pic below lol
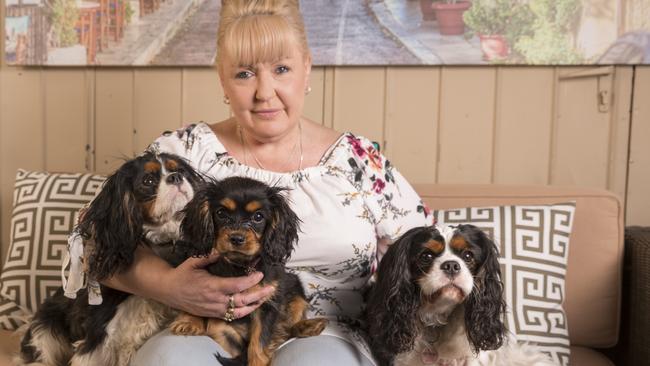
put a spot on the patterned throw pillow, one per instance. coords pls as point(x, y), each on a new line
point(533, 244)
point(45, 210)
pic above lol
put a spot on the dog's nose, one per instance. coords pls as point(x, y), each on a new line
point(237, 239)
point(451, 268)
point(175, 179)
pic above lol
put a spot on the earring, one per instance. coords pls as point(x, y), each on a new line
point(308, 90)
point(226, 100)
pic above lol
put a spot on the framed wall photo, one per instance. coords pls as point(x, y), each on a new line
point(340, 32)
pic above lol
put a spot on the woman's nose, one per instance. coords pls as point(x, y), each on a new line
point(265, 87)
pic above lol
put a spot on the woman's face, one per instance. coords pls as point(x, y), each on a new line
point(267, 98)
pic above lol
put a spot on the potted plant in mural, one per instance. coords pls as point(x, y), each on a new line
point(426, 7)
point(553, 33)
point(498, 24)
point(450, 16)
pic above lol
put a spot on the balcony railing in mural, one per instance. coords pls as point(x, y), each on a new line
point(340, 32)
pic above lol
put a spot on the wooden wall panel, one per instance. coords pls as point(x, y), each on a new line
point(202, 96)
point(67, 119)
point(359, 101)
point(22, 135)
point(619, 139)
point(581, 153)
point(523, 125)
point(157, 102)
point(114, 113)
point(467, 107)
point(638, 195)
point(412, 98)
point(313, 108)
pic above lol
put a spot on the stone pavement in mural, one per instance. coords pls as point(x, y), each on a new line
point(403, 19)
point(348, 32)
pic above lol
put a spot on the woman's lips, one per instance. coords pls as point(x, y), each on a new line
point(267, 113)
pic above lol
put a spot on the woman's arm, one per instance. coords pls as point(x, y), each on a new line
point(189, 287)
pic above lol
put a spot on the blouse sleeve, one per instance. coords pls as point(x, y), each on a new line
point(393, 203)
point(187, 143)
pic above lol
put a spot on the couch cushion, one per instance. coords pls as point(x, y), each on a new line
point(581, 356)
point(593, 279)
point(533, 244)
point(45, 210)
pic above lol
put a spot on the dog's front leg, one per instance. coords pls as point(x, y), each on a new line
point(257, 353)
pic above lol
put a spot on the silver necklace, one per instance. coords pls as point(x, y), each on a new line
point(257, 161)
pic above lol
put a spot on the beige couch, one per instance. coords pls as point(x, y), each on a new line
point(594, 273)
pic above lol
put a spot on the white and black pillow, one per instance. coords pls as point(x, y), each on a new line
point(45, 209)
point(533, 244)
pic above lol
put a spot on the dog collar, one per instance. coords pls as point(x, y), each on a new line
point(248, 268)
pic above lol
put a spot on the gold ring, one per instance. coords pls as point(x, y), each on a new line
point(230, 315)
point(231, 302)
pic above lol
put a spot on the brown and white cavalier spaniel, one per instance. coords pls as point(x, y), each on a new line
point(139, 204)
point(438, 300)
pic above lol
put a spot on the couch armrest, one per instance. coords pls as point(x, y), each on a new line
point(634, 344)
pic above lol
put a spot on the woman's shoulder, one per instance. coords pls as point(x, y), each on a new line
point(188, 141)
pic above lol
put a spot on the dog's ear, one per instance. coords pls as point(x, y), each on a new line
point(114, 221)
point(198, 226)
point(281, 232)
point(394, 300)
point(485, 307)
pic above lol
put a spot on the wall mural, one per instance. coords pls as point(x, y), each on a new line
point(340, 32)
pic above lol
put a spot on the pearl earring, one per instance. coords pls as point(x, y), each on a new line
point(226, 100)
point(308, 90)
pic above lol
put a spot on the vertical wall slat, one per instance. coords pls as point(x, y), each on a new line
point(359, 101)
point(22, 135)
point(523, 129)
point(638, 193)
point(619, 141)
point(114, 110)
point(411, 121)
point(466, 125)
point(313, 108)
point(66, 120)
point(157, 95)
point(328, 96)
point(578, 160)
point(202, 96)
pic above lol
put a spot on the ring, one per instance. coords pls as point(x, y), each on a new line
point(230, 315)
point(231, 302)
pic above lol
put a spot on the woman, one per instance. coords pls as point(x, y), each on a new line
point(350, 200)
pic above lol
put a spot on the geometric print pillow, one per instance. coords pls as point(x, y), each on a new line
point(45, 208)
point(533, 243)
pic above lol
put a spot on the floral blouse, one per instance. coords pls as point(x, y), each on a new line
point(346, 203)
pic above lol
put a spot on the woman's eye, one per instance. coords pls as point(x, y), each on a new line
point(467, 256)
point(148, 180)
point(243, 75)
point(281, 70)
point(258, 217)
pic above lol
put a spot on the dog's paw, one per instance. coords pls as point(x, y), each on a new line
point(188, 326)
point(309, 327)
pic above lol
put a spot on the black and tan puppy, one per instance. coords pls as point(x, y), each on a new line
point(252, 227)
point(139, 204)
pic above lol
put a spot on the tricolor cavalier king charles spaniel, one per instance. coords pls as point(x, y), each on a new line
point(139, 204)
point(438, 300)
point(252, 227)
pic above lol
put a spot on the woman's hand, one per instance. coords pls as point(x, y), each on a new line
point(192, 289)
point(189, 287)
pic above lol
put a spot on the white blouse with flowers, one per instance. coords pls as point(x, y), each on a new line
point(353, 197)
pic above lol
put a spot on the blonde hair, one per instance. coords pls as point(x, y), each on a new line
point(254, 31)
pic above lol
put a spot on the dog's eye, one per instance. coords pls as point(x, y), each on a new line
point(258, 217)
point(467, 256)
point(222, 214)
point(148, 180)
point(426, 257)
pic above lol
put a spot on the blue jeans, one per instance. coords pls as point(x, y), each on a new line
point(165, 349)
